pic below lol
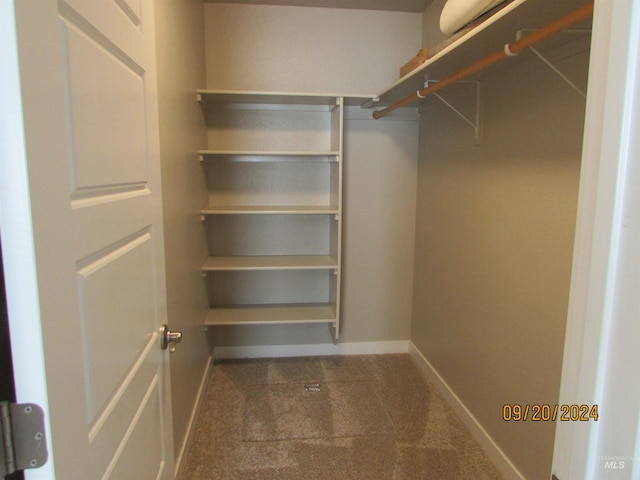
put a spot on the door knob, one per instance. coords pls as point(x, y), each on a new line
point(169, 339)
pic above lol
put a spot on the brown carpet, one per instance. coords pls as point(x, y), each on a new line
point(374, 418)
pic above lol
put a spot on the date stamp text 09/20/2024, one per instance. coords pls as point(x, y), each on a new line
point(549, 413)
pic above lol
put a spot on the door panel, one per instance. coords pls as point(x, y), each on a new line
point(92, 156)
point(131, 9)
point(117, 310)
point(143, 452)
point(106, 96)
point(106, 433)
point(107, 20)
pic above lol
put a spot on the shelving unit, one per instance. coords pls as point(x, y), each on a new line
point(486, 38)
point(274, 170)
point(272, 314)
point(270, 210)
point(267, 156)
point(270, 262)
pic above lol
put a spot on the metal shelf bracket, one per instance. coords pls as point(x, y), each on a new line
point(548, 62)
point(473, 123)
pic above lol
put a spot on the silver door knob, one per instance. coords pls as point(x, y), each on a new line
point(169, 339)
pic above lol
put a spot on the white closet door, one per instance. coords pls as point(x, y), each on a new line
point(87, 272)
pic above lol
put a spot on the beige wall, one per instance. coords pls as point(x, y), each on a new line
point(303, 49)
point(346, 52)
point(431, 34)
point(379, 220)
point(180, 58)
point(495, 229)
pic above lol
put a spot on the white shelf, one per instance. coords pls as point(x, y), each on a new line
point(270, 210)
point(277, 98)
point(265, 98)
point(271, 314)
point(485, 39)
point(270, 262)
point(269, 156)
point(252, 153)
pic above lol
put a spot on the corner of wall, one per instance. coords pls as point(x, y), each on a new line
point(180, 67)
point(486, 442)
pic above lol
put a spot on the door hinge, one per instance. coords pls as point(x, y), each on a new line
point(22, 441)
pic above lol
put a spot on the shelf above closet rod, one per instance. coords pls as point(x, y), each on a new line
point(510, 49)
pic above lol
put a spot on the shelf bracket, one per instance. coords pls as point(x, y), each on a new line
point(548, 62)
point(475, 123)
point(558, 72)
point(370, 103)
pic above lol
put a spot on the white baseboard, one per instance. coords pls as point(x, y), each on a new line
point(314, 350)
point(194, 415)
point(493, 451)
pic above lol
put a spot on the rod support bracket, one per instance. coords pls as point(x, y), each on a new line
point(548, 62)
point(475, 123)
point(508, 52)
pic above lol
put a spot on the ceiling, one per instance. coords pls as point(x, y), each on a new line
point(388, 5)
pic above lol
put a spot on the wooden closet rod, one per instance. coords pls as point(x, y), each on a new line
point(510, 49)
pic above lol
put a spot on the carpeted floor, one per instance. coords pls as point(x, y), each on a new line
point(374, 418)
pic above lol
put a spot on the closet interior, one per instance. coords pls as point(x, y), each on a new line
point(444, 228)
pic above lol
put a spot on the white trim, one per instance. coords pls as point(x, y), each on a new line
point(493, 451)
point(275, 351)
point(194, 414)
point(18, 244)
point(602, 316)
